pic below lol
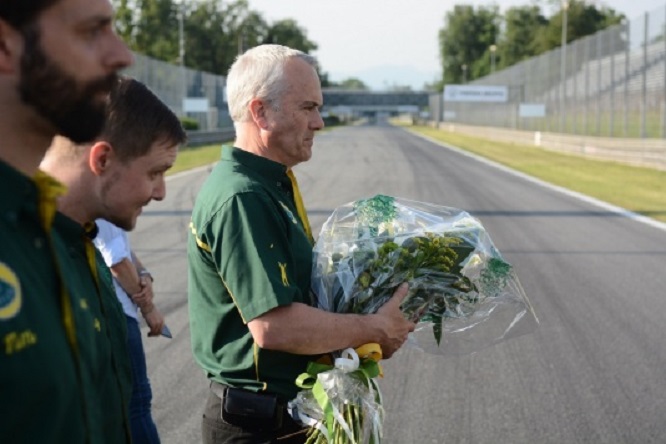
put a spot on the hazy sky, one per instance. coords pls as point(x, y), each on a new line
point(381, 39)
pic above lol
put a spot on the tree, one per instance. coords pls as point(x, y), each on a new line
point(209, 45)
point(465, 42)
point(353, 83)
point(157, 18)
point(523, 26)
point(215, 31)
point(583, 19)
point(287, 32)
point(468, 34)
point(252, 30)
point(124, 20)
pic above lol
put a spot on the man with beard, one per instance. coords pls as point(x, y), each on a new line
point(63, 361)
point(113, 178)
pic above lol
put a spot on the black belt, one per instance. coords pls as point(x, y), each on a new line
point(252, 410)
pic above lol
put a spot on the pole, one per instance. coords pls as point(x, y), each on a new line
point(493, 48)
point(563, 72)
point(181, 53)
point(646, 35)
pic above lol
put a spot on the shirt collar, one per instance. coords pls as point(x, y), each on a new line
point(267, 168)
point(17, 189)
point(69, 229)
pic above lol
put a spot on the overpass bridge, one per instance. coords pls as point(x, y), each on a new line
point(354, 103)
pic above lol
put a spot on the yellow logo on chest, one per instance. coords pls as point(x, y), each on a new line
point(15, 341)
point(283, 273)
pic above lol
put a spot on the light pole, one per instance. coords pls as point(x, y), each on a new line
point(464, 70)
point(181, 51)
point(563, 65)
point(240, 41)
point(493, 48)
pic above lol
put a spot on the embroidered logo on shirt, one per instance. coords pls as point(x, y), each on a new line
point(16, 341)
point(289, 213)
point(10, 293)
point(283, 272)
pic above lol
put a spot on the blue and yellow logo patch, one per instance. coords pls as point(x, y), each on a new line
point(10, 293)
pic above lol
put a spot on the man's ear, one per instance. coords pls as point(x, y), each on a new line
point(258, 113)
point(100, 157)
point(11, 47)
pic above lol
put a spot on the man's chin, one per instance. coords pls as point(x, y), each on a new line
point(125, 224)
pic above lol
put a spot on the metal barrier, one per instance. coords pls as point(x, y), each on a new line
point(649, 153)
point(196, 138)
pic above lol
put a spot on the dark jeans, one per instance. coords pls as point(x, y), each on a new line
point(214, 430)
point(141, 422)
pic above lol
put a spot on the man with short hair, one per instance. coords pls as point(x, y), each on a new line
point(63, 367)
point(253, 321)
point(113, 178)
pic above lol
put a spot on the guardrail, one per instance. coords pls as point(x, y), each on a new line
point(641, 152)
point(196, 138)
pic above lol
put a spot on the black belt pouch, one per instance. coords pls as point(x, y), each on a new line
point(251, 410)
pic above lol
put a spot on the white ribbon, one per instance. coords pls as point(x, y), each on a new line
point(306, 419)
point(348, 360)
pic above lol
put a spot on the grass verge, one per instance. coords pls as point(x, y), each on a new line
point(189, 158)
point(193, 157)
point(641, 190)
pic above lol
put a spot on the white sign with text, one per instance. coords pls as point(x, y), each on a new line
point(476, 93)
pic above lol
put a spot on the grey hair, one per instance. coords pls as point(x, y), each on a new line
point(259, 74)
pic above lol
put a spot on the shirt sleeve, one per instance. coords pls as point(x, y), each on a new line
point(250, 246)
point(112, 242)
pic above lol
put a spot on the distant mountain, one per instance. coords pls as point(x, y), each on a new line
point(385, 77)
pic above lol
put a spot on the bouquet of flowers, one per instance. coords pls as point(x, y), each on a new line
point(342, 402)
point(463, 295)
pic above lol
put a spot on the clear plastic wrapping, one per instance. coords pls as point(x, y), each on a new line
point(341, 402)
point(462, 293)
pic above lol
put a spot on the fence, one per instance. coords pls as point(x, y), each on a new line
point(172, 84)
point(610, 84)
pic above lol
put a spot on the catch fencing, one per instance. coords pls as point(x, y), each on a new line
point(173, 83)
point(610, 84)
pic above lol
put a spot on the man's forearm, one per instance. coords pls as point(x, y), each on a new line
point(301, 329)
point(143, 271)
point(126, 274)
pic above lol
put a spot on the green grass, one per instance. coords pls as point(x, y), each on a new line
point(192, 157)
point(189, 158)
point(642, 190)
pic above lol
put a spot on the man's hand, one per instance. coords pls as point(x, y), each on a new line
point(394, 325)
point(155, 321)
point(144, 298)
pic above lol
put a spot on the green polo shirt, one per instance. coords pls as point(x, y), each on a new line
point(101, 330)
point(50, 392)
point(248, 253)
